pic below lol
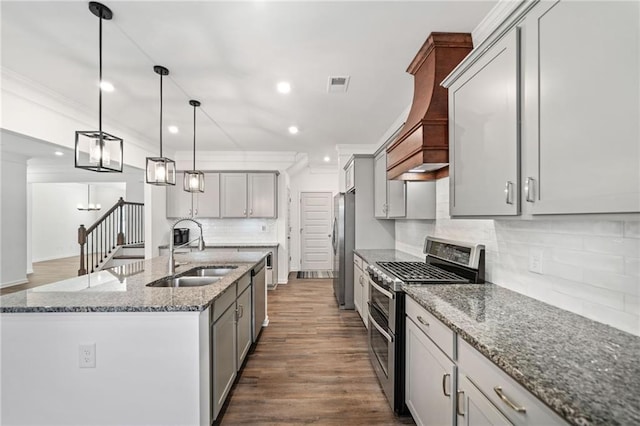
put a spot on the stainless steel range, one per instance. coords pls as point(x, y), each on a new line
point(447, 262)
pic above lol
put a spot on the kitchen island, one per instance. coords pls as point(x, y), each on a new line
point(152, 351)
point(583, 371)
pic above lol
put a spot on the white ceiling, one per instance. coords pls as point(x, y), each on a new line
point(230, 55)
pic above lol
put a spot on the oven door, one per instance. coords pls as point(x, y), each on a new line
point(383, 301)
point(382, 351)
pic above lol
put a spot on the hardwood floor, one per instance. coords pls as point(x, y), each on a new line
point(310, 365)
point(47, 272)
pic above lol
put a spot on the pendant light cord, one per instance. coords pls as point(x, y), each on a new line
point(160, 114)
point(194, 137)
point(100, 82)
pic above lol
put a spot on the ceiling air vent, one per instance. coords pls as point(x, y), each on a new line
point(338, 84)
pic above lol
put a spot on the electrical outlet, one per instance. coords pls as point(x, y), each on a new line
point(264, 228)
point(87, 354)
point(535, 260)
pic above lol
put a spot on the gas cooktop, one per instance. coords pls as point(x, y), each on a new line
point(420, 272)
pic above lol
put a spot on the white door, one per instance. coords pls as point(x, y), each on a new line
point(315, 238)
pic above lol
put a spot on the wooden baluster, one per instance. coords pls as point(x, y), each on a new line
point(82, 240)
point(121, 223)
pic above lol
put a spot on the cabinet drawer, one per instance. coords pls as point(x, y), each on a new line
point(244, 282)
point(491, 380)
point(357, 261)
point(441, 335)
point(225, 300)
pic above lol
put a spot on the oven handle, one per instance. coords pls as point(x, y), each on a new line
point(381, 290)
point(384, 333)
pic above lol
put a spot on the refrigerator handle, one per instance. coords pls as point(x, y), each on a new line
point(333, 236)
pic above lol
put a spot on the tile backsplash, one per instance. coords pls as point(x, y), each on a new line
point(218, 231)
point(589, 266)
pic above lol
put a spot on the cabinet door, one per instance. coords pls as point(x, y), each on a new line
point(233, 194)
point(365, 296)
point(349, 179)
point(244, 325)
point(475, 409)
point(262, 195)
point(380, 186)
point(429, 380)
point(396, 199)
point(581, 104)
point(224, 357)
point(484, 134)
point(178, 202)
point(207, 203)
point(357, 289)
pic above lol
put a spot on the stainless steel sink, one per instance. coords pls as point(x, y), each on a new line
point(184, 281)
point(209, 271)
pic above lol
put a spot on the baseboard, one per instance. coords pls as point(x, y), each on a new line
point(265, 323)
point(12, 283)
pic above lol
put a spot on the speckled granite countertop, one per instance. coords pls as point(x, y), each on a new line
point(231, 245)
point(124, 289)
point(587, 372)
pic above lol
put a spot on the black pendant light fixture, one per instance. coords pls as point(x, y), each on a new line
point(194, 179)
point(161, 170)
point(96, 150)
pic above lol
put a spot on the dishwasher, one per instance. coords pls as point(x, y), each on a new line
point(259, 290)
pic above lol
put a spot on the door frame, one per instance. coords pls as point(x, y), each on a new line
point(331, 208)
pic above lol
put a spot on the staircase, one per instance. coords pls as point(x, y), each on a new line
point(117, 238)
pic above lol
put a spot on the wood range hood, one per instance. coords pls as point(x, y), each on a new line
point(423, 143)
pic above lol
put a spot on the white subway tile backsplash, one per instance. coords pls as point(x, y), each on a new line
point(590, 266)
point(224, 231)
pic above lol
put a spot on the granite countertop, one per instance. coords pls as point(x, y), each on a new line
point(585, 371)
point(124, 289)
point(230, 245)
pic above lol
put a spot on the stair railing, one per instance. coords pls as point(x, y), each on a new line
point(121, 224)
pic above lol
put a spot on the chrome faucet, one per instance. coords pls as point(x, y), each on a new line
point(201, 246)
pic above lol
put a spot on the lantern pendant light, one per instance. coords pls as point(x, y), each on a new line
point(161, 170)
point(194, 179)
point(94, 149)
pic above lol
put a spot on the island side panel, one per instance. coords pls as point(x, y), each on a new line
point(147, 368)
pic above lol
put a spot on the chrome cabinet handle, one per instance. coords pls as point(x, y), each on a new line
point(196, 212)
point(458, 404)
point(251, 212)
point(244, 212)
point(507, 192)
point(241, 309)
point(444, 384)
point(189, 212)
point(423, 321)
point(528, 189)
point(503, 397)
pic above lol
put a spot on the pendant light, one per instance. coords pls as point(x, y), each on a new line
point(194, 179)
point(161, 170)
point(90, 206)
point(96, 150)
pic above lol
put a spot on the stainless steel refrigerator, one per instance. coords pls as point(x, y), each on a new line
point(343, 239)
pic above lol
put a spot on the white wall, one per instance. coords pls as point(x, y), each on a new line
point(13, 219)
point(149, 369)
point(590, 266)
point(307, 180)
point(156, 229)
point(55, 218)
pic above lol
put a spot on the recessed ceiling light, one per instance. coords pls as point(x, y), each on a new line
point(173, 129)
point(293, 130)
point(327, 159)
point(59, 153)
point(106, 86)
point(284, 87)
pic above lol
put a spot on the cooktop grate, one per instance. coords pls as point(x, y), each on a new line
point(420, 272)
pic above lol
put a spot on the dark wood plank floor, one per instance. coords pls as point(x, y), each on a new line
point(311, 365)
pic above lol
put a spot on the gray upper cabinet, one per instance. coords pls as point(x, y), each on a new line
point(483, 131)
point(251, 195)
point(389, 197)
point(262, 195)
point(181, 203)
point(178, 202)
point(233, 195)
point(581, 108)
point(207, 203)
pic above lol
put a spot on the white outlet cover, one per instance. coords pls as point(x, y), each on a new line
point(87, 356)
point(535, 260)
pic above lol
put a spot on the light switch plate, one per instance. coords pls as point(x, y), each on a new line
point(87, 356)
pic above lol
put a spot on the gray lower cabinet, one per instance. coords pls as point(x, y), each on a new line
point(245, 338)
point(224, 370)
point(429, 381)
point(475, 409)
point(484, 134)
